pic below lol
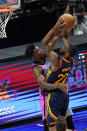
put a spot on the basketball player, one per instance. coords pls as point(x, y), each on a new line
point(38, 69)
point(57, 102)
point(56, 37)
point(39, 59)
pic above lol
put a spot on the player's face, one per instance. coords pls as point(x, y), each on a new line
point(39, 56)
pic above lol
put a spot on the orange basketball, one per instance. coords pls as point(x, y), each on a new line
point(69, 21)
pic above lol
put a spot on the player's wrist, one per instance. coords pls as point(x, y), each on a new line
point(65, 36)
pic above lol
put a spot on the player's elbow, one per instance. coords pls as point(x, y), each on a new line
point(41, 83)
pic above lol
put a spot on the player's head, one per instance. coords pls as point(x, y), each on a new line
point(36, 54)
point(80, 18)
point(69, 50)
point(61, 124)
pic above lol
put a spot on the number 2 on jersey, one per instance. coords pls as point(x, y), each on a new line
point(62, 78)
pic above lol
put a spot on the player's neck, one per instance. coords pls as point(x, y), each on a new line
point(66, 57)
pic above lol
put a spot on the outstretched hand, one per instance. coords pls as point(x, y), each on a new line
point(59, 26)
point(67, 10)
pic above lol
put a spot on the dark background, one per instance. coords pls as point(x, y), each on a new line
point(33, 20)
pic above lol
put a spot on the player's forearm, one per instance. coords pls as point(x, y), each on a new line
point(65, 37)
point(49, 36)
point(48, 86)
point(50, 43)
point(37, 71)
point(66, 41)
point(52, 36)
point(53, 42)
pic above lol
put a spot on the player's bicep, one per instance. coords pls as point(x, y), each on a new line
point(36, 71)
point(47, 50)
point(66, 41)
point(39, 77)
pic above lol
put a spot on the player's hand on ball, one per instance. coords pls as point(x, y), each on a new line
point(69, 21)
point(59, 26)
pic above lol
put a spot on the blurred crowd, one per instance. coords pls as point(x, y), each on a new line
point(81, 24)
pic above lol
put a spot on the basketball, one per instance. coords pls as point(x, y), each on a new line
point(69, 21)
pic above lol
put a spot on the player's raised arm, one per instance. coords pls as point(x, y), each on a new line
point(65, 37)
point(50, 40)
point(52, 36)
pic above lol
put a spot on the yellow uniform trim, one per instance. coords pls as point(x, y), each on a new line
point(65, 60)
point(48, 73)
point(49, 110)
point(48, 107)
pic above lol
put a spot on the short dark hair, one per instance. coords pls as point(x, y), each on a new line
point(72, 50)
point(29, 51)
point(61, 123)
point(80, 17)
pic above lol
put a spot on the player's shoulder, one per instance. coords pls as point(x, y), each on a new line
point(37, 68)
point(54, 55)
point(66, 60)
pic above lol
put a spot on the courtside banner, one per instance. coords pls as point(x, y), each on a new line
point(19, 95)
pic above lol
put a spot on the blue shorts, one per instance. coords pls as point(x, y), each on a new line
point(57, 104)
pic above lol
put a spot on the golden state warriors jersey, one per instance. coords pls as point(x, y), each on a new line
point(61, 75)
